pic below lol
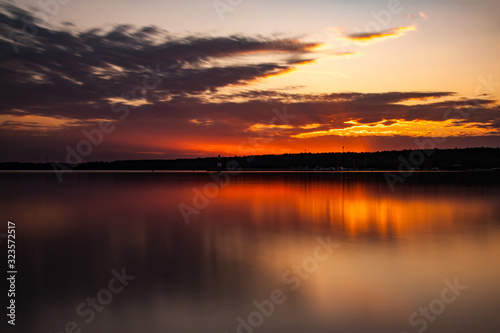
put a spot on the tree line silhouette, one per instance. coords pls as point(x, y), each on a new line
point(441, 159)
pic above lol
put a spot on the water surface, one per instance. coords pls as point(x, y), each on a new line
point(255, 234)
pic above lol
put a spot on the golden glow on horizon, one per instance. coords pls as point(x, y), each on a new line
point(401, 127)
point(240, 148)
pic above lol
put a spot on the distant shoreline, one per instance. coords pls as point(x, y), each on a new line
point(467, 159)
point(253, 171)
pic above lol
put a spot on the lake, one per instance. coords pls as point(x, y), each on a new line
point(254, 252)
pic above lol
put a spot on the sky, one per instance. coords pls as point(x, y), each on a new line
point(121, 79)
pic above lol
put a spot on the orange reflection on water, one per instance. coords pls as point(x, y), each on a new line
point(338, 202)
point(395, 249)
point(356, 208)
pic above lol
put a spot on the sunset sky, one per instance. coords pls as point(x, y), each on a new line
point(188, 78)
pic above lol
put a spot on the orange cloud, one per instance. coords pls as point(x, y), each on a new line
point(26, 122)
point(402, 127)
point(260, 127)
point(390, 33)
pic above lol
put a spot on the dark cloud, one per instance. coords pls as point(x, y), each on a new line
point(64, 76)
point(67, 68)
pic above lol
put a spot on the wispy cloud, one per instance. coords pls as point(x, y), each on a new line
point(389, 33)
point(40, 125)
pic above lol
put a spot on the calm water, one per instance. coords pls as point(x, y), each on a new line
point(258, 239)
